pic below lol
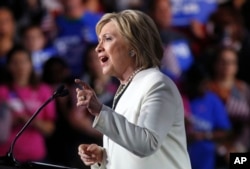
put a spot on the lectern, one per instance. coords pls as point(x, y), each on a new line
point(29, 165)
point(9, 162)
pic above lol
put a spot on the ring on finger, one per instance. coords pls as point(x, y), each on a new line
point(83, 97)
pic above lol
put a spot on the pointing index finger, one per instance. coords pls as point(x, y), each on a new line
point(82, 84)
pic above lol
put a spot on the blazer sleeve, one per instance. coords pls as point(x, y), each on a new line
point(156, 118)
point(103, 163)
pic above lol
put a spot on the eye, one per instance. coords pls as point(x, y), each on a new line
point(108, 38)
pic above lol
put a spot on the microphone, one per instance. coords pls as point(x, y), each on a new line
point(61, 91)
point(9, 159)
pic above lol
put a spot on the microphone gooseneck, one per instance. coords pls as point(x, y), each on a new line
point(61, 91)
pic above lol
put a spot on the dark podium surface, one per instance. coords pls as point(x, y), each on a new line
point(34, 165)
point(6, 163)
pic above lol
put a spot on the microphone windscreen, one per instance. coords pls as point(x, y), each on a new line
point(65, 92)
point(60, 88)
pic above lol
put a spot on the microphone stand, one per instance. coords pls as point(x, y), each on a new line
point(9, 159)
point(10, 152)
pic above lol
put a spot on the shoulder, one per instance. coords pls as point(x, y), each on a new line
point(243, 86)
point(150, 72)
point(4, 90)
point(212, 97)
point(211, 84)
point(153, 80)
point(91, 17)
point(153, 76)
point(43, 87)
point(60, 18)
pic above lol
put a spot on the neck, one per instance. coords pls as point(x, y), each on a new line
point(129, 74)
point(225, 82)
point(75, 13)
point(5, 45)
point(101, 79)
point(21, 82)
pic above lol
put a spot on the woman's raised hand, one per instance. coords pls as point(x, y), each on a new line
point(86, 97)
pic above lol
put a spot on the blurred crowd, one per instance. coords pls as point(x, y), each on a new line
point(44, 43)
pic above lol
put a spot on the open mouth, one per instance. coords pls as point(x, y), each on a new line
point(104, 59)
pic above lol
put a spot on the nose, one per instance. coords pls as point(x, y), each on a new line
point(99, 48)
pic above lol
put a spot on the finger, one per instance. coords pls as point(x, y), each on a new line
point(92, 147)
point(89, 157)
point(82, 84)
point(85, 155)
point(79, 93)
point(89, 151)
point(84, 98)
point(82, 147)
point(78, 90)
point(87, 160)
point(84, 103)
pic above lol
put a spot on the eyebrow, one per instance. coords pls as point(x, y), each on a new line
point(104, 35)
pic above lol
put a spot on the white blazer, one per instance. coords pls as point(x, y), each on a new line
point(146, 129)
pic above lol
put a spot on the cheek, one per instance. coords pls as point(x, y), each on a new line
point(25, 67)
point(228, 70)
point(119, 55)
point(233, 69)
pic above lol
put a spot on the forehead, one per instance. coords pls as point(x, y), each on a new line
point(20, 53)
point(33, 30)
point(5, 14)
point(109, 27)
point(228, 53)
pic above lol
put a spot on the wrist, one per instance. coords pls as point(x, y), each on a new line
point(98, 110)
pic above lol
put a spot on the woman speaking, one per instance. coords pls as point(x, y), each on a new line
point(145, 127)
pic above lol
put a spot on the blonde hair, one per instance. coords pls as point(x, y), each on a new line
point(141, 32)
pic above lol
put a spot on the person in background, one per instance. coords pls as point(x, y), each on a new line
point(73, 125)
point(75, 29)
point(95, 6)
point(177, 56)
point(129, 4)
point(53, 6)
point(235, 95)
point(30, 12)
point(207, 122)
point(7, 38)
point(7, 33)
point(226, 28)
point(239, 7)
point(145, 126)
point(35, 41)
point(191, 17)
point(24, 94)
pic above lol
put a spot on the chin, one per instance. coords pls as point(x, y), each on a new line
point(106, 71)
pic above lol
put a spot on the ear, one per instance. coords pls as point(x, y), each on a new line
point(132, 53)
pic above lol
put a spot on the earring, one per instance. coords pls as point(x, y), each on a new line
point(132, 53)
